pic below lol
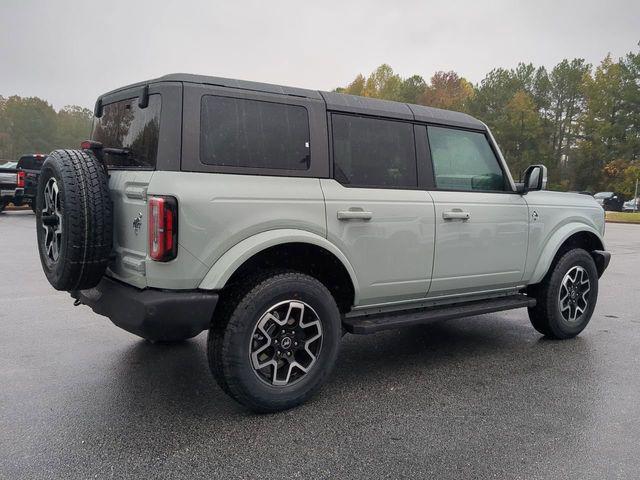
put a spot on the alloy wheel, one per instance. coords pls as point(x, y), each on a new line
point(573, 297)
point(52, 220)
point(285, 343)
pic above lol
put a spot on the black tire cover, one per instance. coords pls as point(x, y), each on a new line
point(74, 219)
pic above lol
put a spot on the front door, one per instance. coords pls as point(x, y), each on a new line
point(481, 223)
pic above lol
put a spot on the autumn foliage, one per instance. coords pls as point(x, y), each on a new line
point(580, 121)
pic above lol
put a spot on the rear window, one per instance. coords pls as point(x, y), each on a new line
point(371, 152)
point(130, 130)
point(31, 162)
point(237, 132)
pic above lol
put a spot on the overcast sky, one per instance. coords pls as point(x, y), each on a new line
point(70, 51)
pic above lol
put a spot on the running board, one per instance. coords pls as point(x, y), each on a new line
point(389, 321)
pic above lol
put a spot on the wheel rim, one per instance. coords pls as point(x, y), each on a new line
point(51, 220)
point(285, 343)
point(574, 294)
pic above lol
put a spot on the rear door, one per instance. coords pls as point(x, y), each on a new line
point(481, 222)
point(375, 212)
point(129, 131)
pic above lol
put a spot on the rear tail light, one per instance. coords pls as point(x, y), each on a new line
point(20, 179)
point(163, 228)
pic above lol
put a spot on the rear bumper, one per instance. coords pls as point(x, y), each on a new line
point(12, 195)
point(161, 315)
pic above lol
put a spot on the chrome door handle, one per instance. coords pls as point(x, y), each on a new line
point(354, 214)
point(456, 214)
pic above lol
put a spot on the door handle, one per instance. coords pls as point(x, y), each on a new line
point(354, 214)
point(456, 214)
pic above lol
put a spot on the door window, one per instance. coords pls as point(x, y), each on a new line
point(464, 160)
point(371, 152)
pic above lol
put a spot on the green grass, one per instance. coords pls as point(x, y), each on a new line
point(626, 217)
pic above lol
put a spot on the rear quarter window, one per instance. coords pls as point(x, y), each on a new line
point(237, 132)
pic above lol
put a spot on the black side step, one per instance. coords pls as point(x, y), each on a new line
point(389, 321)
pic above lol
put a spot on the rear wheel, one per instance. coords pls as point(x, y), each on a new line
point(566, 297)
point(275, 340)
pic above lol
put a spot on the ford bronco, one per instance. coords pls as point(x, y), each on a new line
point(279, 218)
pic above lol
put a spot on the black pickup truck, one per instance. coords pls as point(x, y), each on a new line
point(11, 185)
point(30, 166)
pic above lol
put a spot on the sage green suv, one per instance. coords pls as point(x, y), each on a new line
point(280, 218)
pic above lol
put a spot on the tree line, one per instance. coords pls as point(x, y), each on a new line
point(31, 125)
point(581, 121)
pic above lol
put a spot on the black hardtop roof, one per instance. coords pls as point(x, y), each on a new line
point(334, 101)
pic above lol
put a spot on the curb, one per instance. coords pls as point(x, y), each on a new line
point(623, 223)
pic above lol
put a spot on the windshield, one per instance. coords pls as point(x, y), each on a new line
point(128, 133)
point(603, 195)
point(8, 165)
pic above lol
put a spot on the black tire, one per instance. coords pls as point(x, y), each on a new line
point(547, 317)
point(2, 207)
point(33, 205)
point(232, 332)
point(83, 211)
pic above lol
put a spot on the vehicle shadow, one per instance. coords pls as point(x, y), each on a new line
point(174, 380)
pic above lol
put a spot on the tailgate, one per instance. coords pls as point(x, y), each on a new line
point(128, 193)
point(8, 181)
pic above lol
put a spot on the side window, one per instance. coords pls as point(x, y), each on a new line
point(370, 152)
point(464, 160)
point(236, 132)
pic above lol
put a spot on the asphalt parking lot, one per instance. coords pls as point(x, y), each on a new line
point(485, 397)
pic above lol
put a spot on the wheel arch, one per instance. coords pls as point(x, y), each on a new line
point(565, 238)
point(287, 248)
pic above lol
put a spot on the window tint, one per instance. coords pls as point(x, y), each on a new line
point(31, 162)
point(27, 163)
point(237, 132)
point(134, 130)
point(464, 160)
point(373, 152)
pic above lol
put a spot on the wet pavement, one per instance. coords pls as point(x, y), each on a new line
point(485, 397)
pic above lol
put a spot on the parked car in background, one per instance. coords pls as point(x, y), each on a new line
point(11, 185)
point(31, 164)
point(611, 201)
point(632, 205)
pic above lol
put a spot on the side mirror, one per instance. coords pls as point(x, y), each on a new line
point(534, 178)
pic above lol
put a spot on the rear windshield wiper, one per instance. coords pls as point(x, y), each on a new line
point(124, 152)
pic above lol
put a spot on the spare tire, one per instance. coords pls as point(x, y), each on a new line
point(74, 219)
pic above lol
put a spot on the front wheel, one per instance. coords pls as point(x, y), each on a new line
point(275, 340)
point(566, 297)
